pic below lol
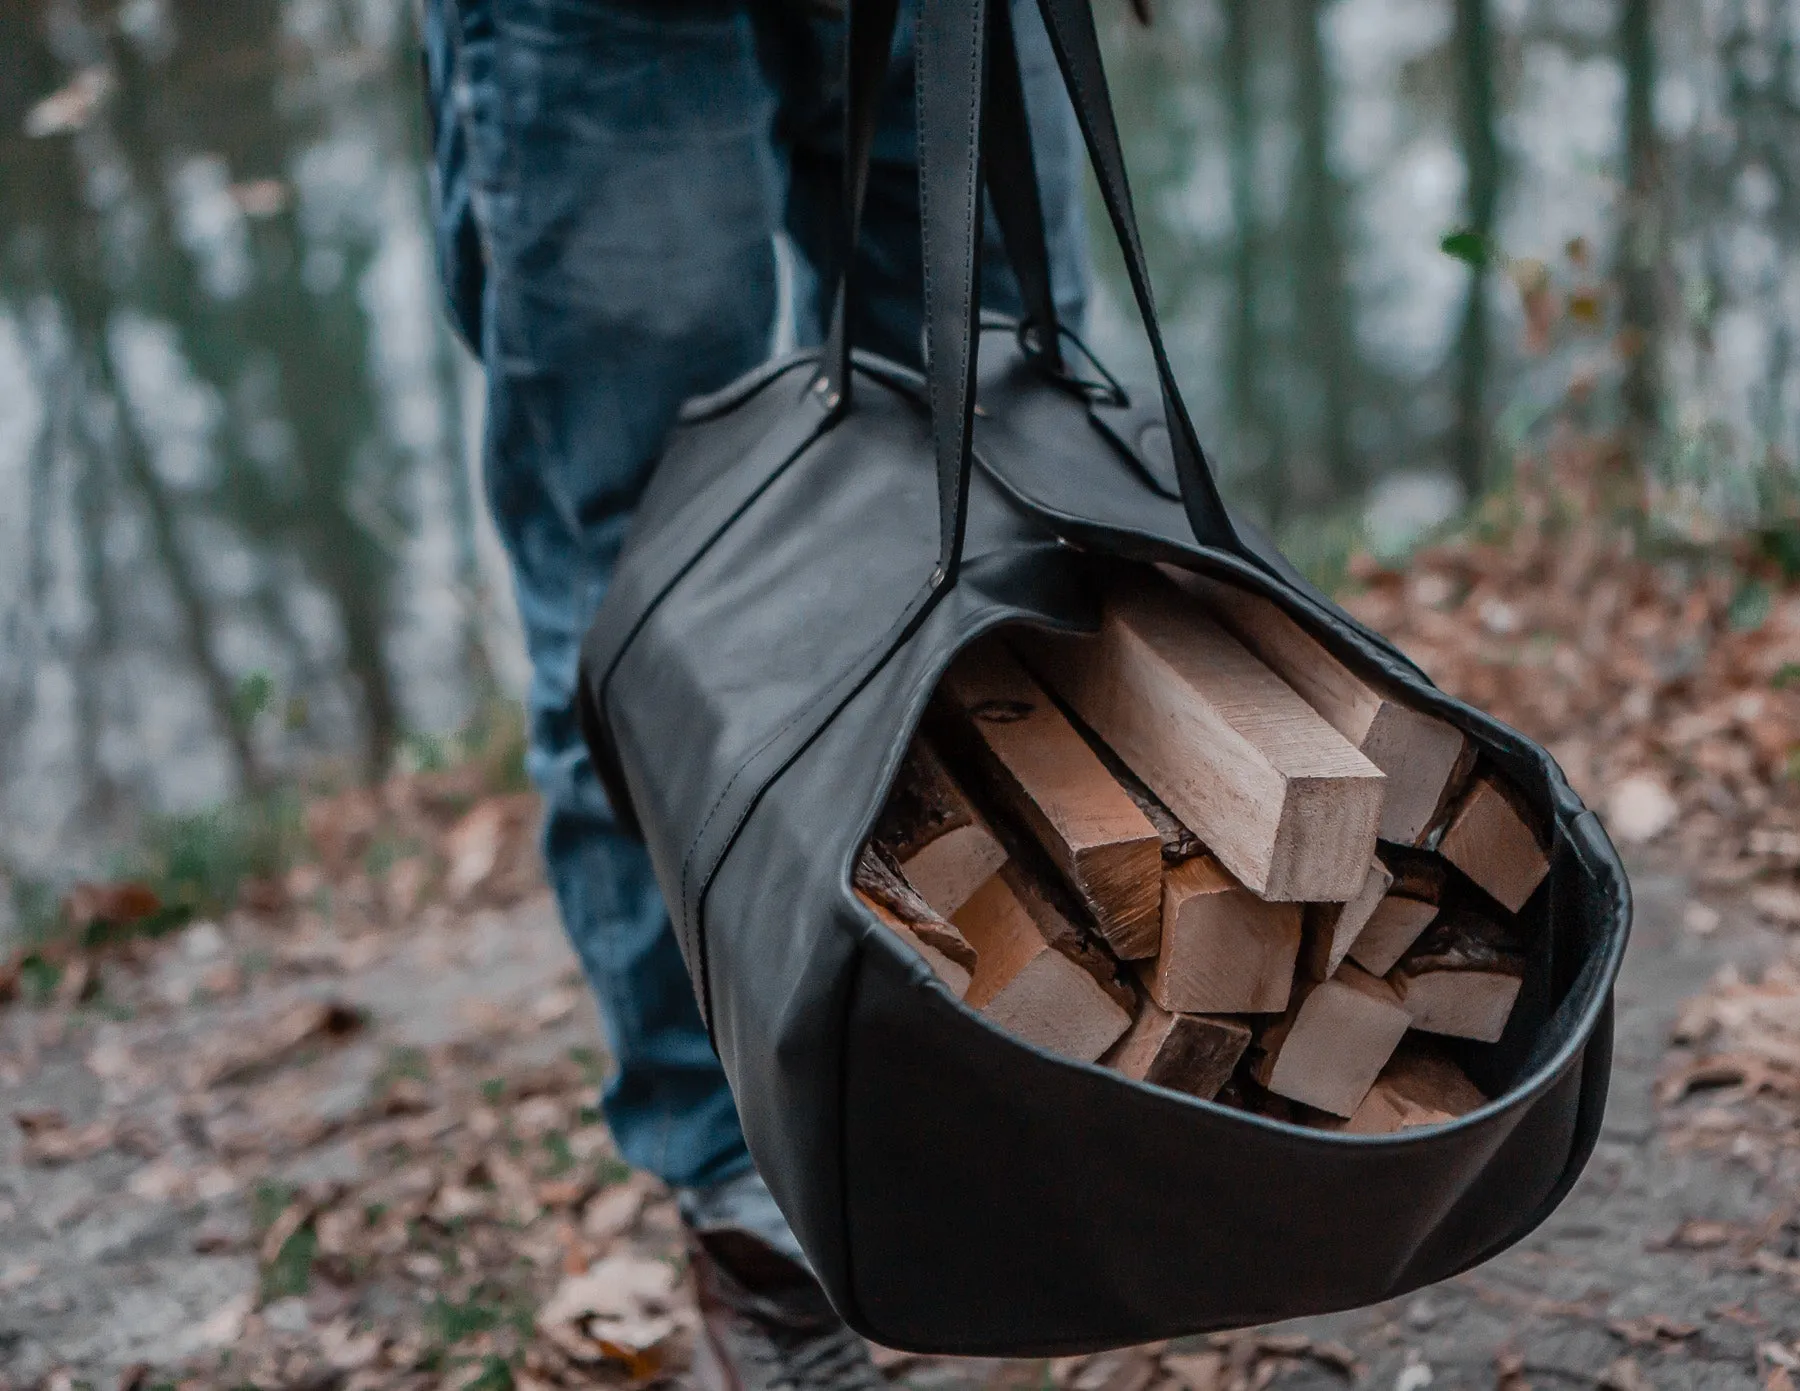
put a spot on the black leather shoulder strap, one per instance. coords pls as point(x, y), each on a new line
point(1071, 27)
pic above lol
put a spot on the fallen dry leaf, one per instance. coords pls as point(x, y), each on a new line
point(232, 1060)
point(1624, 1375)
point(1652, 1330)
point(90, 905)
point(1196, 1371)
point(50, 1139)
point(1509, 1373)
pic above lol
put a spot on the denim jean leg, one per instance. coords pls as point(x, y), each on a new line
point(623, 184)
point(888, 298)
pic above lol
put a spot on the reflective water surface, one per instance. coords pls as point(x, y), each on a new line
point(236, 531)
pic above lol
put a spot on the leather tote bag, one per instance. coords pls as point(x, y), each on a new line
point(816, 545)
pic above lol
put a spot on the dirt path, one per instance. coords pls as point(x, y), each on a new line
point(364, 1161)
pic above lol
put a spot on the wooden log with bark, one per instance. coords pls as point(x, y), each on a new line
point(1277, 794)
point(1017, 747)
point(1461, 977)
point(1193, 1053)
point(942, 846)
point(879, 879)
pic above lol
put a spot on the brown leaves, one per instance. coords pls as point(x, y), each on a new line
point(1743, 1036)
point(89, 905)
point(1244, 1361)
point(476, 847)
point(236, 1059)
point(625, 1309)
point(1663, 686)
point(1652, 1330)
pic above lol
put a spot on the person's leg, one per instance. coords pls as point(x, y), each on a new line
point(889, 288)
point(624, 189)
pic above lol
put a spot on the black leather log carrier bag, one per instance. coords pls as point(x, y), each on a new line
point(817, 543)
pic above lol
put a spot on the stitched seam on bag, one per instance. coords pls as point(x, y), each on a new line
point(691, 920)
point(664, 587)
point(781, 729)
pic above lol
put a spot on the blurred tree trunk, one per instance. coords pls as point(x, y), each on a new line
point(1323, 311)
point(1481, 156)
point(1640, 229)
point(1240, 100)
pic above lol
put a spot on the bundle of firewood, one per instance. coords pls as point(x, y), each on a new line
point(1200, 849)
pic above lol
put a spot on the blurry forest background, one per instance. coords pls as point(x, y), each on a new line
point(1400, 243)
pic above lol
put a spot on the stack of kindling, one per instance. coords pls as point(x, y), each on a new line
point(1200, 849)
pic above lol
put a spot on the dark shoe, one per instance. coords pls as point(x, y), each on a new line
point(765, 1325)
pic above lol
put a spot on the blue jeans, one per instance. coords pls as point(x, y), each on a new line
point(610, 179)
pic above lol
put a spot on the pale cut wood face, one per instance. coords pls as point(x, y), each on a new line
point(1277, 794)
point(1462, 1004)
point(948, 870)
point(1419, 753)
point(1339, 1039)
point(1391, 930)
point(1224, 950)
point(1490, 840)
point(1028, 987)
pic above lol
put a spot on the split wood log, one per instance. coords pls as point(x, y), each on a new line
point(1492, 837)
point(1419, 1086)
point(1426, 1076)
point(1193, 1053)
point(1020, 750)
point(942, 846)
point(954, 975)
point(877, 877)
point(1417, 873)
point(1333, 928)
point(1224, 950)
point(1276, 794)
point(1462, 977)
point(1328, 1050)
point(1066, 927)
point(1392, 928)
point(1026, 986)
point(1179, 844)
point(1454, 788)
point(1408, 909)
point(1418, 752)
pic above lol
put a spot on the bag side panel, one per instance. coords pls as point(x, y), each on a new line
point(1006, 1203)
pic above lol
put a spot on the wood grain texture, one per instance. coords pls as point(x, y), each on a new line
point(1419, 1086)
point(1492, 837)
point(1276, 794)
point(1179, 844)
point(928, 826)
point(1391, 930)
point(1332, 928)
point(954, 974)
point(1328, 1051)
point(1023, 984)
point(877, 877)
point(1192, 1053)
point(1418, 752)
point(1462, 977)
point(1034, 767)
point(1224, 950)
